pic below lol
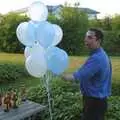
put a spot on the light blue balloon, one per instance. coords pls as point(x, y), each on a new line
point(26, 33)
point(57, 60)
point(45, 34)
point(34, 23)
point(30, 35)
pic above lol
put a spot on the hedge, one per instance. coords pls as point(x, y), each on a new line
point(68, 101)
point(11, 72)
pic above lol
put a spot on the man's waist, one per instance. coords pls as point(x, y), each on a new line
point(97, 94)
point(94, 97)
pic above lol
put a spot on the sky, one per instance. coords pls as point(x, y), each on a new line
point(105, 7)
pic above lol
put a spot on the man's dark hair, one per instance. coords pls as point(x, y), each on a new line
point(98, 34)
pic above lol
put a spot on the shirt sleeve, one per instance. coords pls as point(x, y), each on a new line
point(91, 66)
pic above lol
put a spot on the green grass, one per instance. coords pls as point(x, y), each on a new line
point(17, 59)
point(75, 62)
point(12, 58)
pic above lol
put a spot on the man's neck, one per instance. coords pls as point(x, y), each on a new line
point(96, 47)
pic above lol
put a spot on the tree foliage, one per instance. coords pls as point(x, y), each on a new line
point(8, 39)
point(74, 24)
point(116, 22)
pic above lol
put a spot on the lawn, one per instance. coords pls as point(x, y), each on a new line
point(64, 93)
point(12, 58)
point(17, 59)
point(75, 62)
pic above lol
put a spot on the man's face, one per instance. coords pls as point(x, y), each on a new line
point(90, 40)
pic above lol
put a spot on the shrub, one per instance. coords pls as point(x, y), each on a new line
point(68, 101)
point(114, 108)
point(116, 89)
point(11, 72)
point(65, 98)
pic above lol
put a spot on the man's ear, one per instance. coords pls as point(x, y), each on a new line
point(97, 39)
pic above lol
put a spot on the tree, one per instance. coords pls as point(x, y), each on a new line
point(116, 22)
point(74, 24)
point(8, 39)
point(107, 23)
point(96, 23)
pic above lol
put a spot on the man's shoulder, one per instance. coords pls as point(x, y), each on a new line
point(96, 56)
point(100, 55)
point(93, 58)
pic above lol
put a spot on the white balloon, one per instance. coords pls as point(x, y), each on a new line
point(27, 52)
point(38, 11)
point(35, 49)
point(36, 65)
point(58, 35)
point(20, 30)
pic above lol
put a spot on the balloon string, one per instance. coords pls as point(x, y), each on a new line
point(47, 79)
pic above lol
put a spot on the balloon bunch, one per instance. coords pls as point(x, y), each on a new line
point(40, 38)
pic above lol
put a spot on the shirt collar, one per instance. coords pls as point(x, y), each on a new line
point(95, 51)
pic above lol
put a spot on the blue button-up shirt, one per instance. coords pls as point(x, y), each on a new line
point(95, 75)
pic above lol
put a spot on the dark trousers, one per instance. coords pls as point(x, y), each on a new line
point(94, 108)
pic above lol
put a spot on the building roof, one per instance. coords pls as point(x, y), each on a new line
point(89, 11)
point(54, 8)
point(22, 10)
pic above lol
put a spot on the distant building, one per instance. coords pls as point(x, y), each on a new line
point(92, 14)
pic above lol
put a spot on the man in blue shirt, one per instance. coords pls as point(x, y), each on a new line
point(95, 77)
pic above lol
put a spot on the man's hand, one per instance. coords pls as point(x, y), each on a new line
point(67, 77)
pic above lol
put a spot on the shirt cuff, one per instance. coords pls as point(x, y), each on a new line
point(76, 78)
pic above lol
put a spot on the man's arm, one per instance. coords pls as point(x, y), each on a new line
point(88, 69)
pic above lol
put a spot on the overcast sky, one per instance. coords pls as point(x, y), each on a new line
point(105, 7)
